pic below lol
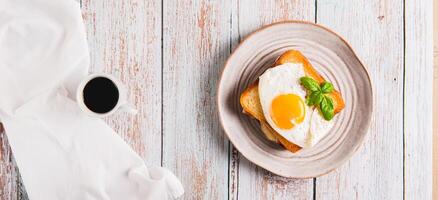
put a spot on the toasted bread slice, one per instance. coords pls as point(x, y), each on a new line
point(270, 134)
point(250, 100)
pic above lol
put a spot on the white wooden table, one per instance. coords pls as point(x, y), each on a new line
point(171, 53)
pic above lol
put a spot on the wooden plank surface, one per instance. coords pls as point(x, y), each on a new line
point(375, 31)
point(8, 173)
point(170, 53)
point(195, 45)
point(248, 181)
point(418, 99)
point(125, 40)
point(435, 101)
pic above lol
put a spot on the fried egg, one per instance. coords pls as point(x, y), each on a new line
point(283, 103)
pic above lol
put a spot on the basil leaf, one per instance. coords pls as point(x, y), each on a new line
point(315, 98)
point(327, 108)
point(327, 87)
point(309, 84)
point(318, 99)
point(308, 100)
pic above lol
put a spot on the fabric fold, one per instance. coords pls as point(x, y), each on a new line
point(61, 152)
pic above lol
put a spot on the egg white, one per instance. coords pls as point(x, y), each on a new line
point(285, 79)
point(319, 127)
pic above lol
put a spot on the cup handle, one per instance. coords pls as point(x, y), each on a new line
point(129, 108)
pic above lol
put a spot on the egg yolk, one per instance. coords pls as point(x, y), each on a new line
point(287, 110)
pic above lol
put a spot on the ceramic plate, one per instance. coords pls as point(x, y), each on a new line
point(334, 59)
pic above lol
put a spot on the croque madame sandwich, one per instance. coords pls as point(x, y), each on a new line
point(293, 103)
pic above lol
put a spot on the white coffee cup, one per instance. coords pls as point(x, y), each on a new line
point(122, 103)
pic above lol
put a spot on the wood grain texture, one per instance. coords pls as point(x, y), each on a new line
point(435, 101)
point(375, 31)
point(125, 40)
point(11, 184)
point(195, 45)
point(178, 87)
point(8, 173)
point(247, 180)
point(417, 98)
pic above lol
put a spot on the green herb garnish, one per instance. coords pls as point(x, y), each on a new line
point(318, 96)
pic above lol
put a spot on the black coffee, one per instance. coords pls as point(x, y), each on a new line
point(100, 95)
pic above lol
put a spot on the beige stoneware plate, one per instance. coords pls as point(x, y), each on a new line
point(334, 59)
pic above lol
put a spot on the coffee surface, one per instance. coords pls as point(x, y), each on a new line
point(101, 95)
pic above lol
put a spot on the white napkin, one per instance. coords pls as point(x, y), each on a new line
point(61, 152)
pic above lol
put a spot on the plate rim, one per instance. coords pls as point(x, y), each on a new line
point(284, 173)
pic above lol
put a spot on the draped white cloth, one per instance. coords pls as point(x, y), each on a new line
point(61, 152)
